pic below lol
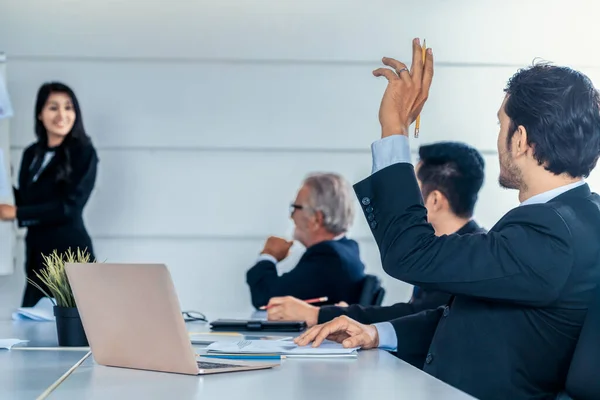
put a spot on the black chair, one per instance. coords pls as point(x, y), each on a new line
point(372, 291)
point(582, 380)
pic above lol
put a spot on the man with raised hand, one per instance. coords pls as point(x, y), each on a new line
point(522, 290)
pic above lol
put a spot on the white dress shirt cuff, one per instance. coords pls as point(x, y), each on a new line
point(390, 150)
point(387, 336)
point(267, 257)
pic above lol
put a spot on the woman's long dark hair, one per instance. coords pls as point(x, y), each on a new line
point(76, 135)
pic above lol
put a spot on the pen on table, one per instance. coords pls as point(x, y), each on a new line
point(418, 123)
point(309, 301)
point(243, 356)
point(216, 333)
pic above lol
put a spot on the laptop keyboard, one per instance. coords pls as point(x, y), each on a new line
point(209, 365)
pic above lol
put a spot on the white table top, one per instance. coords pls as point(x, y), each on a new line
point(374, 374)
point(26, 373)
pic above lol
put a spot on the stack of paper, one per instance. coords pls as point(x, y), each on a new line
point(9, 343)
point(289, 349)
point(211, 337)
point(42, 311)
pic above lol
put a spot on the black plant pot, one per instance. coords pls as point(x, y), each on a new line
point(69, 328)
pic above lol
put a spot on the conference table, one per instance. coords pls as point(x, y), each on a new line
point(34, 368)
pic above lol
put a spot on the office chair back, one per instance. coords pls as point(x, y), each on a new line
point(372, 292)
point(379, 297)
point(582, 380)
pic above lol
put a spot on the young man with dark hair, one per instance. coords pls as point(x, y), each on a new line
point(450, 175)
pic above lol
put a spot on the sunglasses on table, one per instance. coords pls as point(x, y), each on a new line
point(191, 316)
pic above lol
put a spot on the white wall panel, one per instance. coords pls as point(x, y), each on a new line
point(466, 31)
point(236, 106)
point(249, 106)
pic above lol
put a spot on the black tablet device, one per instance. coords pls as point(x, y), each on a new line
point(257, 325)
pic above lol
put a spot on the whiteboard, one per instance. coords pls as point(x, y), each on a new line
point(8, 230)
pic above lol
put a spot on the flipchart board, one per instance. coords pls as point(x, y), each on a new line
point(8, 230)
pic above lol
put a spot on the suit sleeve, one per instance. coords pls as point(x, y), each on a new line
point(526, 259)
point(308, 279)
point(78, 191)
point(375, 314)
point(414, 334)
point(16, 195)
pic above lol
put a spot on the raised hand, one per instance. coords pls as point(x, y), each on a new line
point(406, 92)
point(277, 247)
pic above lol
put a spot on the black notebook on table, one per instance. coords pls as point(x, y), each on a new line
point(257, 325)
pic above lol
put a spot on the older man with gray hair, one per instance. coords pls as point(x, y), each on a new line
point(331, 266)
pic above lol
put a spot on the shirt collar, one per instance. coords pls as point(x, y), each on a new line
point(340, 236)
point(550, 194)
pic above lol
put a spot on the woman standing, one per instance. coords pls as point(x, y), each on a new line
point(56, 178)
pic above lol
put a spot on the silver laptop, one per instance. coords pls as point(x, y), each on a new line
point(132, 319)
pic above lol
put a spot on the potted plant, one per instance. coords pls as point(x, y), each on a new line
point(68, 322)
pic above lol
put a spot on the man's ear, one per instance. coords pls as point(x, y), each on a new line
point(318, 216)
point(438, 200)
point(518, 142)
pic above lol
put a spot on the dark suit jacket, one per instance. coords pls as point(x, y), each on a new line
point(332, 268)
point(521, 291)
point(52, 209)
point(422, 299)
